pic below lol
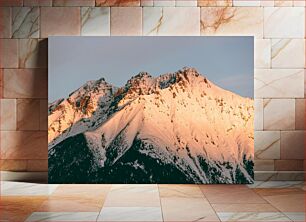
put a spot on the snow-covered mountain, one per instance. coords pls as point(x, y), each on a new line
point(175, 128)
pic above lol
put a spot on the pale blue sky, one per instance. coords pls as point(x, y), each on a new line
point(226, 61)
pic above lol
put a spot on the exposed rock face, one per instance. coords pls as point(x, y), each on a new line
point(175, 128)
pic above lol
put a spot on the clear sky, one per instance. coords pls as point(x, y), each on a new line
point(226, 61)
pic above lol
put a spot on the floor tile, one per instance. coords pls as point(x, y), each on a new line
point(180, 190)
point(268, 192)
point(296, 216)
point(26, 189)
point(130, 214)
point(187, 209)
point(85, 190)
point(285, 200)
point(230, 194)
point(18, 208)
point(264, 207)
point(133, 196)
point(274, 216)
point(276, 184)
point(63, 216)
point(72, 204)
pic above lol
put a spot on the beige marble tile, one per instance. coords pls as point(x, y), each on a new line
point(13, 165)
point(267, 3)
point(180, 190)
point(133, 196)
point(248, 3)
point(122, 3)
point(25, 83)
point(26, 189)
point(51, 17)
point(279, 83)
point(18, 208)
point(300, 114)
point(5, 22)
point(263, 207)
point(299, 3)
point(232, 21)
point(295, 216)
point(258, 119)
point(24, 145)
point(8, 114)
point(266, 145)
point(163, 3)
point(262, 165)
point(28, 114)
point(1, 83)
point(230, 194)
point(278, 22)
point(37, 2)
point(93, 191)
point(277, 184)
point(33, 53)
point(71, 204)
point(63, 216)
point(282, 176)
point(130, 214)
point(292, 145)
point(286, 200)
point(8, 53)
point(95, 21)
point(187, 209)
point(262, 55)
point(289, 165)
point(288, 53)
point(126, 21)
point(280, 3)
point(43, 114)
point(73, 2)
point(146, 3)
point(186, 3)
point(37, 165)
point(279, 114)
point(253, 216)
point(25, 22)
point(159, 21)
point(304, 83)
point(211, 3)
point(5, 3)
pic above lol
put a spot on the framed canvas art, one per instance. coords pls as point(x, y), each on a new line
point(151, 110)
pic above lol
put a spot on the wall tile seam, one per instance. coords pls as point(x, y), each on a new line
point(283, 130)
point(26, 159)
point(28, 98)
point(142, 19)
point(197, 5)
point(285, 68)
point(279, 98)
point(28, 131)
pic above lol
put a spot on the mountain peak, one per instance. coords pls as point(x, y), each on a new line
point(142, 75)
point(188, 71)
point(142, 81)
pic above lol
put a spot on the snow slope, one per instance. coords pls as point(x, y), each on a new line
point(181, 121)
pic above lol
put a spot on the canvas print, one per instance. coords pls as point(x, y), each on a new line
point(151, 110)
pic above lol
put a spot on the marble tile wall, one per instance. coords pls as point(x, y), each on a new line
point(278, 27)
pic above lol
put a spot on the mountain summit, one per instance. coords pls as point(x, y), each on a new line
point(175, 128)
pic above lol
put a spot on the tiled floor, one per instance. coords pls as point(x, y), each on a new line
point(266, 201)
